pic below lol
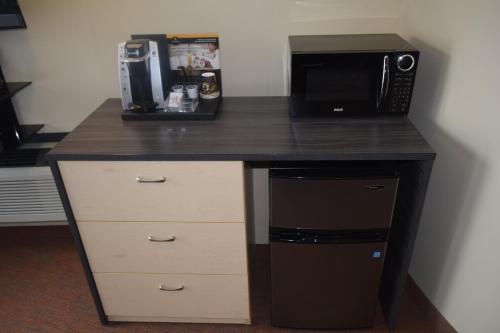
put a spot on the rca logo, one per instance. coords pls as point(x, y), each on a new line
point(338, 109)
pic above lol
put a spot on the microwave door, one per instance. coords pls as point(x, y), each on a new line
point(348, 83)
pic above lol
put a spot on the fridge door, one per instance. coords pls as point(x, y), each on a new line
point(301, 199)
point(325, 285)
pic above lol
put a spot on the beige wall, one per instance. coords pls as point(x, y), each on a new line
point(69, 48)
point(456, 107)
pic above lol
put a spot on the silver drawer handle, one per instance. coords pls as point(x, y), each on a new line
point(375, 187)
point(164, 288)
point(154, 239)
point(141, 179)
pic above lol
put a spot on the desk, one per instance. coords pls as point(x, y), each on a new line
point(258, 132)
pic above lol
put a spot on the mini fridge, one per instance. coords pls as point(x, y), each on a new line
point(328, 235)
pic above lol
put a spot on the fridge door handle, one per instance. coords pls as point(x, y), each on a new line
point(375, 187)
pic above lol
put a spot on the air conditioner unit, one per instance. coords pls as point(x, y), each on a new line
point(28, 195)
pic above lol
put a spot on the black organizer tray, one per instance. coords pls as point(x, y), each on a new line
point(207, 110)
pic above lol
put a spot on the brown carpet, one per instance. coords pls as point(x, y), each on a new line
point(43, 289)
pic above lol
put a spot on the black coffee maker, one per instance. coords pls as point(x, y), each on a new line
point(142, 86)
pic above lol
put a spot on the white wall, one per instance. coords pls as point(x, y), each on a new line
point(456, 107)
point(69, 48)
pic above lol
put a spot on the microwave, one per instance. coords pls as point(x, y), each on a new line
point(352, 75)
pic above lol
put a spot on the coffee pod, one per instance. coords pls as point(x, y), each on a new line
point(209, 89)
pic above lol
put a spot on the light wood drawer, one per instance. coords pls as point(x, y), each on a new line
point(210, 248)
point(191, 192)
point(205, 297)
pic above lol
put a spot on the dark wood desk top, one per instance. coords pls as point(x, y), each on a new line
point(246, 128)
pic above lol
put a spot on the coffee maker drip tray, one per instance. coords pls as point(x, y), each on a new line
point(200, 109)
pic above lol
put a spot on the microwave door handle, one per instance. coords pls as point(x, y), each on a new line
point(387, 69)
point(385, 82)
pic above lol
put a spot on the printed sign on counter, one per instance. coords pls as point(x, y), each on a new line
point(194, 51)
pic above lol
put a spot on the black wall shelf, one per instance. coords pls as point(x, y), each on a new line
point(13, 88)
point(23, 158)
point(30, 157)
point(28, 131)
point(12, 134)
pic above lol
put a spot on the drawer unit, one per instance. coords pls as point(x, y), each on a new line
point(148, 224)
point(155, 191)
point(164, 247)
point(309, 199)
point(220, 298)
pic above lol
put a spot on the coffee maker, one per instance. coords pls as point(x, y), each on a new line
point(141, 84)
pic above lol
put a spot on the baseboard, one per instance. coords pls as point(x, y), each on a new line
point(438, 321)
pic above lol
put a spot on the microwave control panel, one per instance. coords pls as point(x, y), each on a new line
point(402, 86)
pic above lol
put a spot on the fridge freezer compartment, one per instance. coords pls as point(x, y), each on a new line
point(325, 286)
point(329, 201)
